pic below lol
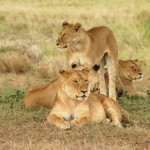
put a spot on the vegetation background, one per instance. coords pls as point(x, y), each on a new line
point(28, 56)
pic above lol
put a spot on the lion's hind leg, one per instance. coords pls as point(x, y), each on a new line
point(113, 111)
point(29, 103)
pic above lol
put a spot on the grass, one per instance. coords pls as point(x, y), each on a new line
point(14, 62)
point(31, 27)
point(23, 128)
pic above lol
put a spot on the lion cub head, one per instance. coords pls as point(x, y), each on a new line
point(75, 83)
point(70, 35)
point(131, 69)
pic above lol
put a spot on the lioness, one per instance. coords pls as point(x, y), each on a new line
point(128, 71)
point(42, 96)
point(74, 100)
point(95, 47)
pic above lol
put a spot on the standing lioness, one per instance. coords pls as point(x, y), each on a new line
point(95, 47)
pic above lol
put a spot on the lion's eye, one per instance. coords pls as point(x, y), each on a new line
point(132, 67)
point(86, 81)
point(64, 35)
point(75, 81)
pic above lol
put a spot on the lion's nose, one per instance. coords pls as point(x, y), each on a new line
point(84, 91)
point(140, 73)
point(57, 43)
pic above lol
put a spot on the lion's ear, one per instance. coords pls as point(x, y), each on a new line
point(137, 61)
point(122, 63)
point(64, 74)
point(77, 26)
point(64, 24)
point(61, 71)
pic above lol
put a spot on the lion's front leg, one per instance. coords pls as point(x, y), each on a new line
point(101, 72)
point(111, 65)
point(132, 91)
point(58, 121)
point(142, 94)
point(57, 115)
point(81, 120)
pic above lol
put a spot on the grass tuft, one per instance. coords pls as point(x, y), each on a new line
point(14, 62)
point(49, 68)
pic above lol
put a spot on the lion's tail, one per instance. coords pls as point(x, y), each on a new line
point(126, 122)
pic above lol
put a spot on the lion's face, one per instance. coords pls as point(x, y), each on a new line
point(131, 69)
point(70, 35)
point(75, 84)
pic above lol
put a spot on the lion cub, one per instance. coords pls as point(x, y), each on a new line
point(95, 47)
point(74, 101)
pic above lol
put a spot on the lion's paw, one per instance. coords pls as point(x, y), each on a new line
point(64, 125)
point(144, 95)
point(75, 122)
point(106, 121)
point(117, 124)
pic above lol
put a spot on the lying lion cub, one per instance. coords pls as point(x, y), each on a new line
point(74, 101)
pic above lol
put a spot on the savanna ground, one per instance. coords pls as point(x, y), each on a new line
point(28, 57)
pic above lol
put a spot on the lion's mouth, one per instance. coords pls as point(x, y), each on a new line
point(137, 78)
point(81, 97)
point(60, 47)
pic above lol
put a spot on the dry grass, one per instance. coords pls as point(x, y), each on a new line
point(93, 137)
point(14, 62)
point(50, 67)
point(22, 63)
point(23, 128)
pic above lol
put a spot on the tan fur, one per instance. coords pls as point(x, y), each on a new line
point(75, 106)
point(95, 46)
point(42, 96)
point(128, 71)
